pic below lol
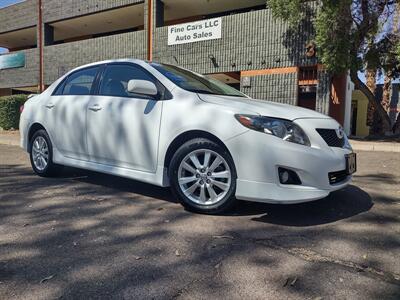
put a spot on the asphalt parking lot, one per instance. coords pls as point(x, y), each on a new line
point(88, 235)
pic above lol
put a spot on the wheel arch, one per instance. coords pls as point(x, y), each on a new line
point(187, 136)
point(32, 129)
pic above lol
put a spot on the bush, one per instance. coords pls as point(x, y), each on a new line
point(9, 111)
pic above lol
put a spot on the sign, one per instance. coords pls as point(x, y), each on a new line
point(246, 81)
point(210, 29)
point(15, 60)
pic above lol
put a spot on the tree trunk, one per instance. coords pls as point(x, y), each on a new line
point(370, 76)
point(386, 92)
point(396, 31)
point(376, 104)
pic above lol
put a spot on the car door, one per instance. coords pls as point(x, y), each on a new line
point(66, 113)
point(123, 128)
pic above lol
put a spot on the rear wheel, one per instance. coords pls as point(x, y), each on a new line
point(41, 154)
point(203, 176)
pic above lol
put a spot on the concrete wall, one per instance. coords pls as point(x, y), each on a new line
point(362, 105)
point(21, 77)
point(58, 59)
point(61, 9)
point(280, 88)
point(18, 16)
point(253, 40)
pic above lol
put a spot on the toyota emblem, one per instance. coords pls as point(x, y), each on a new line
point(340, 132)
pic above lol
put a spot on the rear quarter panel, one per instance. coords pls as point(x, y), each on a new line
point(34, 112)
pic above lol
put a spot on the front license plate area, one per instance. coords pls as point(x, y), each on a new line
point(351, 163)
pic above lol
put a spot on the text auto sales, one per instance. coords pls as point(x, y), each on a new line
point(195, 27)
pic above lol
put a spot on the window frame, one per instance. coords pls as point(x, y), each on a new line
point(62, 84)
point(167, 94)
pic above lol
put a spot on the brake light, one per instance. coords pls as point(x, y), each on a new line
point(21, 109)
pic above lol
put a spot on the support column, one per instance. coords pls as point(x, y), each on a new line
point(149, 30)
point(40, 45)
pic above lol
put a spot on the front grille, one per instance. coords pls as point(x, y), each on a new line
point(331, 138)
point(337, 177)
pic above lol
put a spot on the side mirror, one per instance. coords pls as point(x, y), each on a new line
point(142, 87)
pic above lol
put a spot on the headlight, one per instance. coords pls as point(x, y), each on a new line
point(284, 129)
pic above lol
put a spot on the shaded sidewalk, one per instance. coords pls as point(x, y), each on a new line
point(9, 137)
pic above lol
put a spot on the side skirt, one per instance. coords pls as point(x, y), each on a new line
point(158, 178)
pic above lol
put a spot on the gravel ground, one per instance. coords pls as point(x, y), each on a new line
point(88, 235)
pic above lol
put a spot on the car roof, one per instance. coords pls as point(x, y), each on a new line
point(109, 61)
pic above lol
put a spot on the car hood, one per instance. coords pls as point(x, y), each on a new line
point(263, 107)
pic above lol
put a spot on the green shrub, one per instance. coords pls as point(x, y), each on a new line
point(9, 111)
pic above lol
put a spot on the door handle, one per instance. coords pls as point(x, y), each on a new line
point(50, 105)
point(95, 107)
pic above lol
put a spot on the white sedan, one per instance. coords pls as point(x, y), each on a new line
point(168, 126)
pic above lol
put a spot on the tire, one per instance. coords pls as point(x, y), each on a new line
point(200, 186)
point(43, 141)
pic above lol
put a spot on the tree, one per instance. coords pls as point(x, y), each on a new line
point(396, 126)
point(350, 36)
point(396, 29)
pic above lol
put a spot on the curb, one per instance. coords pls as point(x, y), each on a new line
point(375, 146)
point(11, 139)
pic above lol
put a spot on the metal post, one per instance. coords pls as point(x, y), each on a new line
point(41, 67)
point(149, 30)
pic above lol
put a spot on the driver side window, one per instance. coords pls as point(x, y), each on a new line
point(116, 77)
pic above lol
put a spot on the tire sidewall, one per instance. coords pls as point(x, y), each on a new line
point(198, 144)
point(49, 168)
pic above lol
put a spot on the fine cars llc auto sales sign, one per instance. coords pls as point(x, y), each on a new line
point(210, 29)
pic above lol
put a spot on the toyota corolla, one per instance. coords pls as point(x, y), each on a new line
point(168, 126)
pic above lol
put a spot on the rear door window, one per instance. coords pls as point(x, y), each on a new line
point(80, 82)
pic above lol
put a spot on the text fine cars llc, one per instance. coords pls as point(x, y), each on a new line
point(194, 27)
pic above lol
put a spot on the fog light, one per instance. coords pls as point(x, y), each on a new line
point(284, 176)
point(287, 176)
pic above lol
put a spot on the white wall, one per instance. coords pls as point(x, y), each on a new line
point(347, 109)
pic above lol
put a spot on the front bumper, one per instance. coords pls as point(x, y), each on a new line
point(258, 156)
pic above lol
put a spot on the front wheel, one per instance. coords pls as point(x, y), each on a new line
point(203, 176)
point(41, 154)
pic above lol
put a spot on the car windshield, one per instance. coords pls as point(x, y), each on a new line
point(194, 82)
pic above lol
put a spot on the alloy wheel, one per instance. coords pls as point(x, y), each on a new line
point(40, 153)
point(204, 177)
